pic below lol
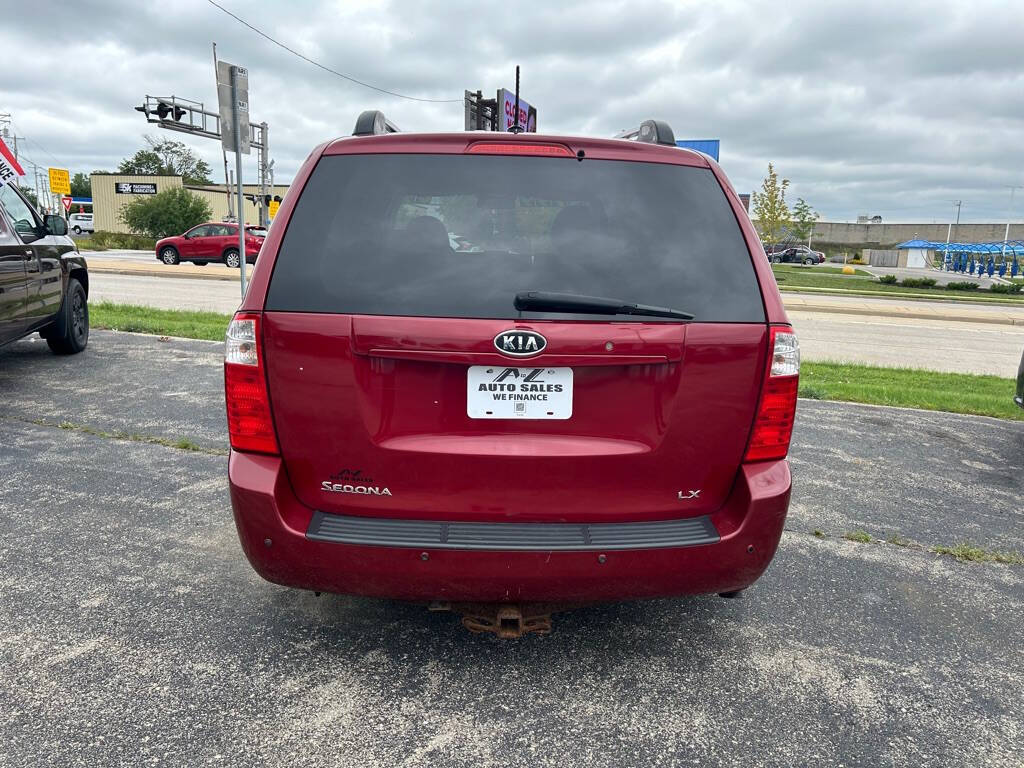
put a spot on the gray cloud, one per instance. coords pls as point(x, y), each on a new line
point(867, 107)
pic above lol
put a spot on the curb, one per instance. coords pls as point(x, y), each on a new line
point(911, 314)
point(112, 269)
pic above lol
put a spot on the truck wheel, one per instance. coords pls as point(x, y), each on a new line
point(169, 255)
point(70, 331)
point(231, 258)
point(76, 229)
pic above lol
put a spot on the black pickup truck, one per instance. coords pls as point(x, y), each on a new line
point(44, 284)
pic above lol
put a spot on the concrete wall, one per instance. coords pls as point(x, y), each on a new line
point(107, 203)
point(891, 234)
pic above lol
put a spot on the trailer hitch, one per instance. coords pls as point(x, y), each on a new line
point(506, 620)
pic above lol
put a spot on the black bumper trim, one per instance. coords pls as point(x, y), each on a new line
point(521, 537)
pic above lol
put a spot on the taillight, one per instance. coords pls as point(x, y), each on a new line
point(773, 425)
point(250, 427)
point(517, 148)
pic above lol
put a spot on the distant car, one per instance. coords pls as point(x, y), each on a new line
point(80, 222)
point(213, 241)
point(460, 243)
point(44, 283)
point(1019, 398)
point(793, 254)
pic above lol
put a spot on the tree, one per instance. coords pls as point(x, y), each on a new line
point(770, 209)
point(170, 212)
point(80, 186)
point(803, 220)
point(167, 158)
point(31, 195)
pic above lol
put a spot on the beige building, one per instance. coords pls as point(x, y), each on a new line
point(112, 191)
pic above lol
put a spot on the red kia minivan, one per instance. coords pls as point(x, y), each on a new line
point(593, 402)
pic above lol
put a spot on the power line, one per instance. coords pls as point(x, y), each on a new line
point(326, 68)
point(29, 138)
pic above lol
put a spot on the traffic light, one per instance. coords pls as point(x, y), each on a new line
point(266, 199)
point(164, 109)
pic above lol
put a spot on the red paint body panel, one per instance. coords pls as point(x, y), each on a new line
point(638, 435)
point(265, 508)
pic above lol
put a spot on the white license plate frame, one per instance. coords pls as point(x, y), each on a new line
point(519, 393)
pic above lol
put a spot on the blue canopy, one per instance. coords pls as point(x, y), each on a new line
point(1013, 247)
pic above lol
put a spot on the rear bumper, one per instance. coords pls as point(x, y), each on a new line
point(273, 527)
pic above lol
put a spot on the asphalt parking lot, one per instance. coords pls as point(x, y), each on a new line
point(133, 631)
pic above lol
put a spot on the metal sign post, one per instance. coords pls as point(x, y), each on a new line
point(238, 170)
point(233, 97)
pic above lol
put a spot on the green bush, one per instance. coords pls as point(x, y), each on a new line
point(1006, 287)
point(103, 240)
point(964, 286)
point(919, 282)
point(167, 213)
point(888, 279)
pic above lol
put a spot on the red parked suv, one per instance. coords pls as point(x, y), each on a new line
point(213, 241)
point(596, 404)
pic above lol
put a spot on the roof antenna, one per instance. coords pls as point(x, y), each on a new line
point(516, 128)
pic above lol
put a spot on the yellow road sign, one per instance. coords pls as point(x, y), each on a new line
point(272, 208)
point(60, 181)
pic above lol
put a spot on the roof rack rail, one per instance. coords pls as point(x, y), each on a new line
point(372, 122)
point(652, 132)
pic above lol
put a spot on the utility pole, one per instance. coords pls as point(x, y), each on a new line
point(1009, 215)
point(949, 229)
point(264, 172)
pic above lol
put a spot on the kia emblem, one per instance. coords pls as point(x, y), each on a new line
point(520, 343)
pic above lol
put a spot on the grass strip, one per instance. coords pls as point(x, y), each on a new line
point(189, 324)
point(791, 279)
point(910, 388)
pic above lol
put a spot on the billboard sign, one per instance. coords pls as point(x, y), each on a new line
point(709, 147)
point(507, 113)
point(10, 170)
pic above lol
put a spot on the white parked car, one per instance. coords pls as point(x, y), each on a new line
point(80, 222)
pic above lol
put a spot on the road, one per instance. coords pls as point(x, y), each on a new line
point(965, 347)
point(132, 630)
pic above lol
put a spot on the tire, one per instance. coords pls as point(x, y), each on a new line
point(76, 229)
point(169, 255)
point(231, 258)
point(809, 261)
point(776, 259)
point(69, 334)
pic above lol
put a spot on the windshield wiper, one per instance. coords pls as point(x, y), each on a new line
point(547, 301)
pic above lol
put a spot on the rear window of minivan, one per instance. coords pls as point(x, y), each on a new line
point(460, 235)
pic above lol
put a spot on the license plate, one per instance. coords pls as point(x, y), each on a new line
point(496, 392)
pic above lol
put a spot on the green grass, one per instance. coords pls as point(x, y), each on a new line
point(911, 388)
point(181, 444)
point(795, 279)
point(189, 324)
point(786, 269)
point(861, 537)
point(966, 552)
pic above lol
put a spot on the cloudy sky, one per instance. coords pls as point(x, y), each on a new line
point(890, 108)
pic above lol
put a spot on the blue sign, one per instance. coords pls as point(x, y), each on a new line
point(707, 146)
